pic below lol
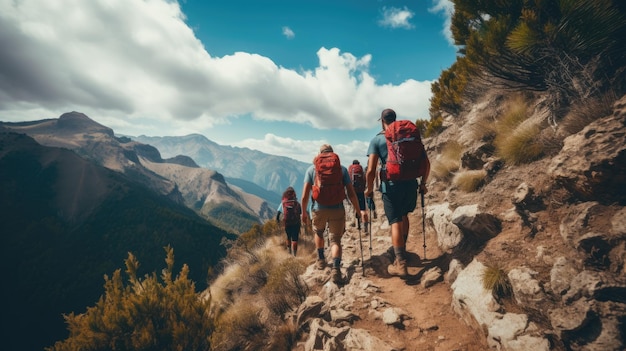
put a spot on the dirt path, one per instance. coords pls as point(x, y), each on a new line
point(432, 324)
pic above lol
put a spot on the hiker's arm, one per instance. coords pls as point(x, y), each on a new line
point(372, 164)
point(304, 202)
point(353, 199)
point(423, 188)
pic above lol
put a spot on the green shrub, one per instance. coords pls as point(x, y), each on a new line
point(469, 181)
point(146, 314)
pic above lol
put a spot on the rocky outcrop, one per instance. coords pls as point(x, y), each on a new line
point(592, 163)
point(477, 306)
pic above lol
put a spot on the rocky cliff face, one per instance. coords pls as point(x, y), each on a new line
point(552, 233)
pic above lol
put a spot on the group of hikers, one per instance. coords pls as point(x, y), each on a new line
point(399, 149)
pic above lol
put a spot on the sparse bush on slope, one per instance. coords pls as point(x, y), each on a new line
point(147, 314)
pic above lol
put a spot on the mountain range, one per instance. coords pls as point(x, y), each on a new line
point(76, 199)
point(246, 168)
point(178, 177)
point(67, 221)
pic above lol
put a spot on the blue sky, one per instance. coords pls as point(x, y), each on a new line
point(282, 77)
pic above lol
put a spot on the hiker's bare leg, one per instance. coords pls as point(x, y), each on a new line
point(397, 234)
point(405, 229)
point(319, 241)
point(335, 250)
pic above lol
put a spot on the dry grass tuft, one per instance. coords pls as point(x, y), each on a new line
point(448, 161)
point(240, 328)
point(253, 296)
point(496, 281)
point(584, 112)
point(285, 289)
point(469, 181)
point(517, 139)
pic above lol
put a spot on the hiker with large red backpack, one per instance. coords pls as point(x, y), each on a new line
point(326, 183)
point(399, 148)
point(291, 210)
point(357, 175)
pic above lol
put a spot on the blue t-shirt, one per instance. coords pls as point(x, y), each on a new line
point(309, 177)
point(378, 146)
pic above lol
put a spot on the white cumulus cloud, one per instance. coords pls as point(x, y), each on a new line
point(288, 33)
point(394, 17)
point(138, 67)
point(447, 8)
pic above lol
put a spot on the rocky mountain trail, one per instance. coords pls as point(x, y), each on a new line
point(550, 235)
point(379, 309)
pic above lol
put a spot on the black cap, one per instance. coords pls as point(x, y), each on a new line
point(388, 115)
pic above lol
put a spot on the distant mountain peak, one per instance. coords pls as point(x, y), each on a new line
point(79, 122)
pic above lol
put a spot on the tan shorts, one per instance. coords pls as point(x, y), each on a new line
point(336, 219)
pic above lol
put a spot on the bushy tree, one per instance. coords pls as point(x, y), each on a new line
point(572, 49)
point(146, 314)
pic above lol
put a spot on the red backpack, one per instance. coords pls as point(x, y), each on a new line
point(291, 211)
point(407, 157)
point(328, 184)
point(357, 176)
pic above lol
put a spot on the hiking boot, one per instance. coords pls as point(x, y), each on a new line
point(320, 264)
point(374, 214)
point(335, 275)
point(398, 268)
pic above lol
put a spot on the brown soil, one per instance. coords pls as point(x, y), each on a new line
point(433, 325)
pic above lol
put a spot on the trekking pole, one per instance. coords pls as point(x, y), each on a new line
point(327, 236)
point(423, 223)
point(370, 229)
point(358, 219)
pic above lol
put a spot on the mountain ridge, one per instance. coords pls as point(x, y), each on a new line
point(76, 131)
point(234, 162)
point(67, 221)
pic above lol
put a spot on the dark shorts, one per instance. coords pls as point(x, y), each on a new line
point(361, 198)
point(293, 232)
point(399, 199)
point(370, 203)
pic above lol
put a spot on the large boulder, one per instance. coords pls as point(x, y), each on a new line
point(592, 162)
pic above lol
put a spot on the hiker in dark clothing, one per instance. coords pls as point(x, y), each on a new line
point(291, 210)
point(357, 175)
point(399, 197)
